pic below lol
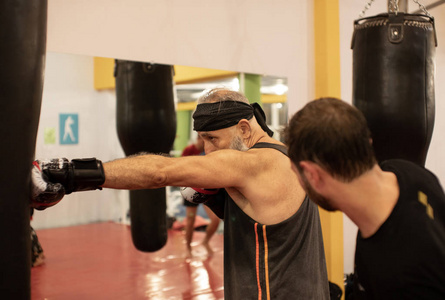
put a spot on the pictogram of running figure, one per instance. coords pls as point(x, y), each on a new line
point(68, 130)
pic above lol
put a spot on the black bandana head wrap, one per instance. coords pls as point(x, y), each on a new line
point(224, 114)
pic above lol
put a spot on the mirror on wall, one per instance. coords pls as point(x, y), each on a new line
point(191, 82)
point(83, 85)
point(273, 91)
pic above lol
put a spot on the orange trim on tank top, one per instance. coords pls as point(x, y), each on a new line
point(257, 258)
point(266, 262)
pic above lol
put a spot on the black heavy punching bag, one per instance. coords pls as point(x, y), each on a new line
point(146, 122)
point(393, 82)
point(22, 59)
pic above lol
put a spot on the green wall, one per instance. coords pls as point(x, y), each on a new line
point(183, 119)
point(252, 87)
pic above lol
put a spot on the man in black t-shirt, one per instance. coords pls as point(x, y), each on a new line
point(399, 207)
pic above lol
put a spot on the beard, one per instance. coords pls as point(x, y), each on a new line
point(237, 144)
point(314, 196)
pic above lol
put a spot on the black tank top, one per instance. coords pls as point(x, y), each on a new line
point(278, 147)
point(280, 261)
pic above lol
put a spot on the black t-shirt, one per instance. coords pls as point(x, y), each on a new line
point(405, 258)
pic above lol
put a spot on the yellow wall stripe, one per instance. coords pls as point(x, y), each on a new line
point(103, 73)
point(186, 105)
point(327, 48)
point(265, 98)
point(327, 84)
point(268, 98)
point(104, 78)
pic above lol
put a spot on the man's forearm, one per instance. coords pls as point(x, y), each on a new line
point(53, 179)
point(136, 172)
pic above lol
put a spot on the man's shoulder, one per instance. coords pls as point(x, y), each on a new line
point(273, 146)
point(402, 163)
point(407, 169)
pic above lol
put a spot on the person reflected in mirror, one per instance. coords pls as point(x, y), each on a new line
point(191, 208)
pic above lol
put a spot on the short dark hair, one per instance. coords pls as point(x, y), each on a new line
point(332, 134)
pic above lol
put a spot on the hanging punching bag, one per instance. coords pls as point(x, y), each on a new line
point(146, 122)
point(22, 56)
point(393, 82)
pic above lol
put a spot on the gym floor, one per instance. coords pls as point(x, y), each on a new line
point(99, 261)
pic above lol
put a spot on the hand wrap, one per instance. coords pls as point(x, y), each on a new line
point(197, 195)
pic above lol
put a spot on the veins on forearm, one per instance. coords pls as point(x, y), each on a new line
point(141, 171)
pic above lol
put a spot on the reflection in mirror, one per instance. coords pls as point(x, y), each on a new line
point(68, 81)
point(273, 92)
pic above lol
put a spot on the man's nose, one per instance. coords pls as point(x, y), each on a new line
point(208, 148)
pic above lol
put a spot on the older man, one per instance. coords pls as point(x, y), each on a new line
point(273, 247)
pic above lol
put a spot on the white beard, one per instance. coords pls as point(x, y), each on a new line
point(237, 144)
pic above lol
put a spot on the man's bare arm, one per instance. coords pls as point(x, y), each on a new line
point(52, 179)
point(224, 168)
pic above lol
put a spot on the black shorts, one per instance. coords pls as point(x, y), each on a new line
point(190, 204)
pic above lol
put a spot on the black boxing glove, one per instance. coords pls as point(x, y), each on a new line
point(54, 178)
point(197, 195)
point(44, 193)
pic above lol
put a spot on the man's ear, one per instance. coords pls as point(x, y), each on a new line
point(314, 174)
point(244, 127)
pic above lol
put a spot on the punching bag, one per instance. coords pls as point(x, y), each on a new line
point(393, 82)
point(146, 122)
point(22, 56)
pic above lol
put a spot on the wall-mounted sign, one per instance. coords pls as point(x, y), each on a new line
point(68, 129)
point(49, 135)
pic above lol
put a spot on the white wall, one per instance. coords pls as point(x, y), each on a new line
point(68, 88)
point(349, 11)
point(252, 36)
